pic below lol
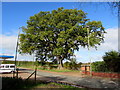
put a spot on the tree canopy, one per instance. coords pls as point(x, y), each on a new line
point(112, 60)
point(55, 35)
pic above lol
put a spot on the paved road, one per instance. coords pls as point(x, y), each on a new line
point(83, 81)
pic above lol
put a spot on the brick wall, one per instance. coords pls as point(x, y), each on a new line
point(85, 68)
point(103, 74)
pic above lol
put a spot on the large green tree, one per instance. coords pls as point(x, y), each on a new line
point(57, 34)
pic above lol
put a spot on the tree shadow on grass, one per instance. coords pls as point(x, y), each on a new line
point(9, 83)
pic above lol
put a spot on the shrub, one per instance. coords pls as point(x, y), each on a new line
point(66, 65)
point(72, 65)
point(99, 66)
point(112, 60)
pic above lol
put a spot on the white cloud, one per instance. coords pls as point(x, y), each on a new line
point(26, 57)
point(111, 43)
point(8, 46)
point(111, 40)
point(8, 43)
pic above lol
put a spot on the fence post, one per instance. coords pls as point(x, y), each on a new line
point(35, 73)
point(17, 73)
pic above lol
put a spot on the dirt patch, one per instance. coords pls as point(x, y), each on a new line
point(23, 75)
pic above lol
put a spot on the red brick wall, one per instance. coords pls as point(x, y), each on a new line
point(85, 68)
point(102, 74)
point(82, 68)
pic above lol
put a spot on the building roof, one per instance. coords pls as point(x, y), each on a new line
point(6, 57)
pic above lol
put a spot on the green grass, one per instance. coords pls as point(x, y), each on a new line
point(53, 70)
point(57, 70)
point(20, 84)
point(53, 85)
point(26, 66)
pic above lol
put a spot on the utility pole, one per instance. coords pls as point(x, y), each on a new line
point(16, 55)
point(88, 33)
point(35, 69)
point(119, 27)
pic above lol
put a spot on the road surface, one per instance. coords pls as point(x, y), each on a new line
point(91, 82)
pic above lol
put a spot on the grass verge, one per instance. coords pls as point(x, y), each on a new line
point(57, 70)
point(53, 70)
point(9, 83)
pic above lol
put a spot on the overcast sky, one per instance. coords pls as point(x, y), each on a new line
point(15, 15)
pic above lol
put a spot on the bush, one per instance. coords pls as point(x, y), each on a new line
point(112, 60)
point(8, 62)
point(66, 65)
point(99, 66)
point(72, 65)
point(20, 63)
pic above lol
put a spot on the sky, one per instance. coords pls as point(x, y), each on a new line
point(59, 0)
point(15, 15)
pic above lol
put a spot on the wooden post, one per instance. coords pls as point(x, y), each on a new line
point(13, 74)
point(17, 73)
point(35, 70)
point(35, 73)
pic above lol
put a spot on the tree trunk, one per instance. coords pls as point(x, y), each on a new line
point(60, 64)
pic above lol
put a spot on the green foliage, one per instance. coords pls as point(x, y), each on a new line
point(72, 65)
point(66, 65)
point(112, 60)
point(8, 62)
point(57, 34)
point(99, 66)
point(48, 65)
point(21, 63)
point(57, 70)
point(111, 63)
point(26, 63)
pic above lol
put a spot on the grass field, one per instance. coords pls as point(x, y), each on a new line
point(57, 70)
point(53, 70)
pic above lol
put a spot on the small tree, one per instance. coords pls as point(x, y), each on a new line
point(112, 60)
